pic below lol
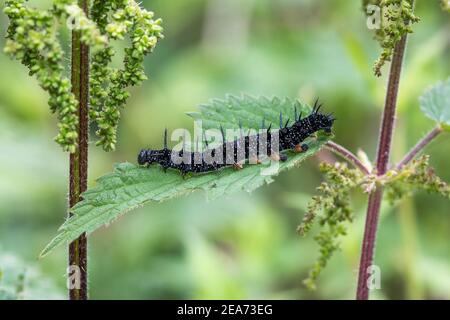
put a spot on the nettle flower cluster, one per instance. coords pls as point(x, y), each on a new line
point(396, 19)
point(332, 205)
point(33, 39)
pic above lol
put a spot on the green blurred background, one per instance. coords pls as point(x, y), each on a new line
point(244, 246)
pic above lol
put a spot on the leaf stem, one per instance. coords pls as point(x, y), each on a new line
point(382, 163)
point(79, 160)
point(419, 146)
point(348, 155)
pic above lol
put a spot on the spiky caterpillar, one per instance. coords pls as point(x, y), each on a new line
point(246, 148)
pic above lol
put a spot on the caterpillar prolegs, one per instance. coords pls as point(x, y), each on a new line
point(250, 148)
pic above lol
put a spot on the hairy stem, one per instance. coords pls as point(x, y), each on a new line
point(79, 161)
point(419, 147)
point(382, 163)
point(347, 155)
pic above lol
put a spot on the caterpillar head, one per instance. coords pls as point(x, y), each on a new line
point(143, 156)
point(322, 121)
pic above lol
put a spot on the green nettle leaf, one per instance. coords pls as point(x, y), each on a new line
point(435, 103)
point(131, 186)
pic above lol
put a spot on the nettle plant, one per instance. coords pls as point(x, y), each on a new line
point(130, 185)
point(90, 90)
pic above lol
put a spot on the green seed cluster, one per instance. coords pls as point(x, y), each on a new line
point(332, 205)
point(33, 39)
point(118, 18)
point(397, 16)
point(334, 210)
point(416, 176)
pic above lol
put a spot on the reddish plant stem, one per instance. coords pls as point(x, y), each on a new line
point(382, 163)
point(79, 159)
point(419, 147)
point(348, 155)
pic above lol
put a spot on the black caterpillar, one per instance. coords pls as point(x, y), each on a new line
point(246, 148)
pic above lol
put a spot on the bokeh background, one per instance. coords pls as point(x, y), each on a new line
point(244, 246)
